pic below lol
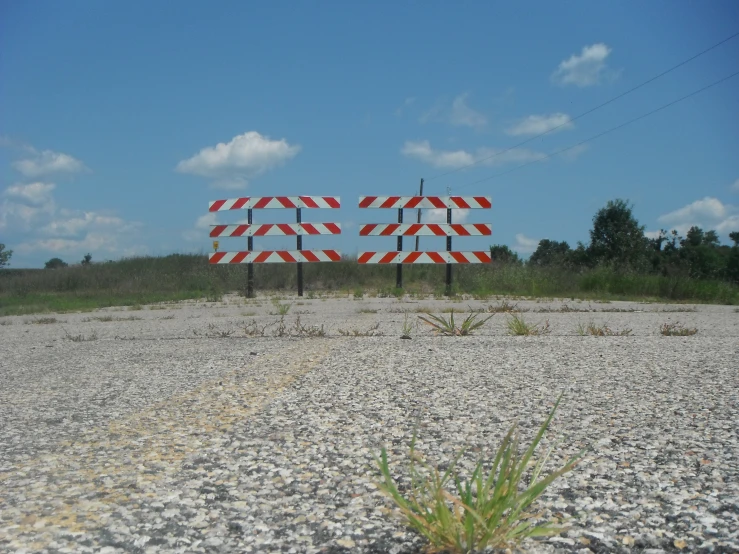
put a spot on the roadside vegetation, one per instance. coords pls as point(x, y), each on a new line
point(619, 263)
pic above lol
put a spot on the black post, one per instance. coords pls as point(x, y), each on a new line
point(419, 213)
point(300, 264)
point(399, 271)
point(449, 249)
point(250, 268)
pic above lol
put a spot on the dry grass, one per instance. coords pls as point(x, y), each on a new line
point(677, 330)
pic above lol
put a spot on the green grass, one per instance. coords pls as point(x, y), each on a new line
point(595, 330)
point(448, 327)
point(147, 280)
point(518, 326)
point(490, 509)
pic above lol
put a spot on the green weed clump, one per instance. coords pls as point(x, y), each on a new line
point(595, 330)
point(518, 326)
point(448, 327)
point(489, 509)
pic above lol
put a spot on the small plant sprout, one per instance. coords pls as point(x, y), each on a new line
point(677, 330)
point(518, 326)
point(448, 327)
point(600, 330)
point(487, 510)
point(407, 328)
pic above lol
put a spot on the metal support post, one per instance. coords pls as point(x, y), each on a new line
point(399, 270)
point(420, 193)
point(449, 249)
point(250, 268)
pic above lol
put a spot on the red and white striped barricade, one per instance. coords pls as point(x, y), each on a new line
point(447, 230)
point(251, 230)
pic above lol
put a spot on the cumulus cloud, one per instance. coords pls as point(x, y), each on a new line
point(586, 69)
point(524, 244)
point(34, 193)
point(438, 215)
point(422, 150)
point(707, 213)
point(458, 114)
point(47, 163)
point(25, 204)
point(539, 124)
point(245, 156)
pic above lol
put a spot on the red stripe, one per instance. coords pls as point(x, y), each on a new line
point(286, 229)
point(262, 202)
point(216, 205)
point(483, 228)
point(483, 257)
point(388, 230)
point(412, 257)
point(366, 202)
point(333, 255)
point(262, 229)
point(285, 255)
point(387, 258)
point(459, 202)
point(239, 257)
point(217, 230)
point(262, 256)
point(365, 230)
point(435, 257)
point(310, 229)
point(308, 201)
point(364, 257)
point(461, 258)
point(436, 202)
point(240, 203)
point(460, 229)
point(414, 201)
point(436, 229)
point(413, 228)
point(333, 228)
point(484, 202)
point(216, 257)
point(333, 202)
point(390, 201)
point(310, 256)
point(285, 201)
point(239, 230)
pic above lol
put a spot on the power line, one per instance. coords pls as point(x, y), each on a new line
point(603, 133)
point(637, 87)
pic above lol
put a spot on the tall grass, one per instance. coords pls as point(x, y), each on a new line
point(181, 276)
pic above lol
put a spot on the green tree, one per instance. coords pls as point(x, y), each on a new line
point(55, 263)
point(734, 236)
point(550, 252)
point(617, 238)
point(5, 256)
point(501, 254)
point(87, 259)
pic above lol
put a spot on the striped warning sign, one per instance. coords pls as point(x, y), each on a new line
point(274, 256)
point(275, 229)
point(421, 229)
point(443, 257)
point(466, 202)
point(259, 202)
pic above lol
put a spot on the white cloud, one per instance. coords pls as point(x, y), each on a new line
point(438, 215)
point(706, 209)
point(524, 244)
point(735, 186)
point(48, 162)
point(584, 70)
point(245, 156)
point(458, 114)
point(202, 227)
point(35, 193)
point(462, 115)
point(67, 224)
point(539, 124)
point(707, 213)
point(421, 150)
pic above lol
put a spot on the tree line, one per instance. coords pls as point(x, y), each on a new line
point(618, 241)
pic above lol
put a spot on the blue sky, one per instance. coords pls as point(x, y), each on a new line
point(111, 113)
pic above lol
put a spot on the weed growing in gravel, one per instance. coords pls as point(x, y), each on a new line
point(6, 322)
point(282, 309)
point(358, 294)
point(43, 321)
point(80, 338)
point(135, 307)
point(248, 314)
point(600, 330)
point(448, 327)
point(371, 332)
point(503, 307)
point(170, 316)
point(368, 311)
point(109, 318)
point(677, 310)
point(487, 510)
point(518, 326)
point(405, 332)
point(677, 330)
point(564, 309)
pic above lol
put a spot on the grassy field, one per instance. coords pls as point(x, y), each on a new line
point(189, 276)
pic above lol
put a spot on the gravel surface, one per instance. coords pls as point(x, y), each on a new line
point(179, 428)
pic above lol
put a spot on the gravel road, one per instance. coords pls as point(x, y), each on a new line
point(180, 428)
